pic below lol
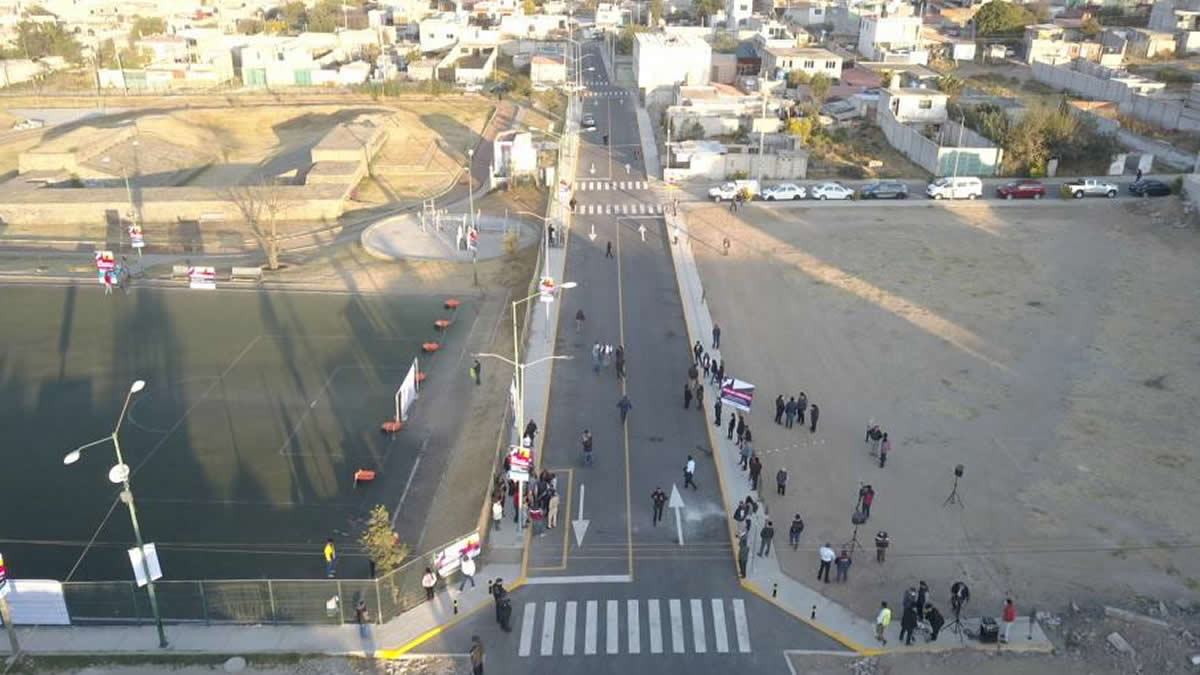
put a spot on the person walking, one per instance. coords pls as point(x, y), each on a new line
point(765, 536)
point(597, 353)
point(801, 406)
point(813, 413)
point(741, 429)
point(466, 565)
point(885, 446)
point(881, 546)
point(882, 621)
point(579, 319)
point(687, 395)
point(779, 408)
point(330, 553)
point(744, 452)
point(781, 481)
point(700, 397)
point(827, 556)
point(1138, 177)
point(697, 350)
point(922, 597)
point(842, 563)
point(620, 361)
point(428, 582)
point(716, 336)
point(608, 250)
point(531, 430)
point(476, 655)
point(755, 471)
point(362, 617)
point(789, 411)
point(732, 421)
point(717, 412)
point(868, 498)
point(689, 474)
point(476, 371)
point(936, 621)
point(624, 405)
point(795, 531)
point(497, 512)
point(1009, 616)
point(908, 623)
point(496, 589)
point(585, 439)
point(747, 437)
point(552, 510)
point(659, 498)
point(719, 375)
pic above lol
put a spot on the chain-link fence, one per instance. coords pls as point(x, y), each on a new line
point(266, 601)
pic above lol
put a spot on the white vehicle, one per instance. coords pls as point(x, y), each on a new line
point(957, 187)
point(783, 191)
point(831, 191)
point(728, 191)
point(589, 122)
point(29, 124)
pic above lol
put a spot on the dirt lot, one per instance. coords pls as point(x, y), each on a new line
point(1052, 351)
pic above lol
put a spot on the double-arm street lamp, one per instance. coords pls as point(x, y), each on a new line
point(120, 474)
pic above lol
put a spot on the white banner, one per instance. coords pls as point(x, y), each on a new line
point(139, 570)
point(447, 560)
point(202, 277)
point(407, 392)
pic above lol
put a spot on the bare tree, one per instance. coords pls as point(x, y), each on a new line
point(261, 202)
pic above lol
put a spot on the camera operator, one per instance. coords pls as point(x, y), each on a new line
point(959, 595)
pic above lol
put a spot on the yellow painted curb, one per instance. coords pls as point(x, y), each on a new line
point(435, 631)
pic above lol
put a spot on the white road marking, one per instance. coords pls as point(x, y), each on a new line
point(549, 614)
point(612, 634)
point(720, 638)
point(634, 627)
point(568, 648)
point(527, 629)
point(739, 623)
point(654, 620)
point(676, 625)
point(698, 641)
point(584, 579)
point(589, 628)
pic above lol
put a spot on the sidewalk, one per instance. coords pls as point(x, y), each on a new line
point(763, 575)
point(382, 641)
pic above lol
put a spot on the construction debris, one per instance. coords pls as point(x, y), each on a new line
point(1118, 643)
point(1126, 615)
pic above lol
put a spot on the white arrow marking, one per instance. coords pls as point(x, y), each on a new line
point(580, 524)
point(676, 503)
point(592, 234)
point(642, 231)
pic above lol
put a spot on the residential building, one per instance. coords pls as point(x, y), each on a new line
point(547, 70)
point(813, 13)
point(1181, 18)
point(663, 61)
point(1054, 43)
point(1138, 42)
point(608, 16)
point(716, 110)
point(892, 39)
point(779, 61)
point(737, 12)
point(535, 26)
point(442, 31)
point(915, 106)
point(711, 160)
point(163, 47)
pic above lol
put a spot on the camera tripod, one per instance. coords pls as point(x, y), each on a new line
point(956, 625)
point(854, 543)
point(954, 497)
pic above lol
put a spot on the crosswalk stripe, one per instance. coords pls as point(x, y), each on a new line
point(698, 641)
point(549, 616)
point(589, 628)
point(527, 629)
point(612, 635)
point(655, 624)
point(719, 637)
point(739, 623)
point(676, 625)
point(634, 626)
point(568, 648)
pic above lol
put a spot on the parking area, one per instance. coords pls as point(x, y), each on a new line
point(1051, 352)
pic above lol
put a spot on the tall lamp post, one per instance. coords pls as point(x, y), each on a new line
point(471, 206)
point(120, 474)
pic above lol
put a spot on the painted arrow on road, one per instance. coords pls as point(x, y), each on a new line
point(592, 234)
point(580, 524)
point(642, 231)
point(676, 504)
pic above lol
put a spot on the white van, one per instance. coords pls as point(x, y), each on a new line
point(961, 187)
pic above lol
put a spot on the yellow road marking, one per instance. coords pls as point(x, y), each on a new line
point(437, 630)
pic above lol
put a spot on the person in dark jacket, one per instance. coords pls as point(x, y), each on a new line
point(779, 407)
point(908, 624)
point(935, 619)
point(813, 413)
point(755, 471)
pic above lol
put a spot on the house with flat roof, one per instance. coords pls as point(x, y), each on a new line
point(779, 61)
point(661, 61)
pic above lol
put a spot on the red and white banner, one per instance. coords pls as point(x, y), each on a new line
point(105, 261)
point(202, 277)
point(448, 559)
point(546, 286)
point(737, 393)
point(137, 238)
point(520, 462)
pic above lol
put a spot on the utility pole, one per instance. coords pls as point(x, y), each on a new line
point(962, 126)
point(762, 136)
point(5, 614)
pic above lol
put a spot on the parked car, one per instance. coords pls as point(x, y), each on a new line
point(955, 187)
point(728, 191)
point(29, 124)
point(1084, 187)
point(1150, 187)
point(783, 191)
point(885, 189)
point(589, 122)
point(831, 191)
point(1022, 189)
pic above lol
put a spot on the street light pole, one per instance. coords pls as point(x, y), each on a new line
point(471, 206)
point(121, 472)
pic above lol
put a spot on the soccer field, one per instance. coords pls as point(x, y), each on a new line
point(257, 410)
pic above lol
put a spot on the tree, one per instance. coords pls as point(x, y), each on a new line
point(797, 77)
point(528, 7)
point(724, 43)
point(706, 8)
point(381, 541)
point(35, 40)
point(1002, 18)
point(261, 203)
point(294, 15)
point(656, 11)
point(1091, 27)
point(819, 87)
point(950, 85)
point(801, 128)
point(146, 25)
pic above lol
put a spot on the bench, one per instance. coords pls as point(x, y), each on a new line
point(251, 273)
point(179, 271)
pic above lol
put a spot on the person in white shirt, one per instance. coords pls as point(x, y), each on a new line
point(689, 473)
point(467, 567)
point(497, 512)
point(827, 556)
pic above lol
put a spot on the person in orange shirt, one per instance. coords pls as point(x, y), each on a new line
point(1009, 616)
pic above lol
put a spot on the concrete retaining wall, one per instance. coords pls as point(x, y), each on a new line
point(1163, 152)
point(1159, 112)
point(922, 151)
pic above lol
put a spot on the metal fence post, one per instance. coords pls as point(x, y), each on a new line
point(203, 601)
point(341, 605)
point(271, 595)
point(137, 613)
point(378, 604)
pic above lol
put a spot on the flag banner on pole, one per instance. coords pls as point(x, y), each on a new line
point(202, 277)
point(447, 560)
point(408, 391)
point(137, 237)
point(737, 393)
point(150, 554)
point(105, 261)
point(546, 286)
point(520, 462)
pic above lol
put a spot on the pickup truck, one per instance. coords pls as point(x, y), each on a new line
point(1084, 187)
point(728, 191)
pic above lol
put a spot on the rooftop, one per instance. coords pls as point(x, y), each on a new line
point(914, 91)
point(667, 41)
point(802, 52)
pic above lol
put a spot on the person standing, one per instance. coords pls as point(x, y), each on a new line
point(908, 623)
point(1138, 177)
point(687, 395)
point(936, 621)
point(362, 617)
point(781, 481)
point(732, 420)
point(476, 655)
point(779, 407)
point(330, 553)
point(747, 437)
point(801, 406)
point(741, 429)
point(716, 335)
point(608, 250)
point(882, 621)
point(531, 430)
point(697, 350)
point(466, 565)
point(428, 582)
point(700, 397)
point(765, 536)
point(755, 471)
point(1008, 617)
point(813, 413)
point(689, 474)
point(597, 354)
point(497, 511)
point(659, 498)
point(744, 453)
point(789, 410)
point(868, 498)
point(795, 531)
point(922, 597)
point(552, 510)
point(719, 376)
point(717, 412)
point(476, 371)
point(827, 556)
point(586, 441)
point(881, 546)
point(624, 405)
point(579, 319)
point(842, 563)
point(885, 446)
point(620, 367)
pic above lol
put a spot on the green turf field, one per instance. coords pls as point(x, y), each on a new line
point(258, 408)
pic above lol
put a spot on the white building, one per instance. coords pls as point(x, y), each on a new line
point(547, 70)
point(779, 61)
point(662, 60)
point(915, 106)
point(891, 38)
point(737, 12)
point(608, 16)
point(1180, 18)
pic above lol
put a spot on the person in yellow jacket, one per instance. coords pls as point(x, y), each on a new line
point(881, 622)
